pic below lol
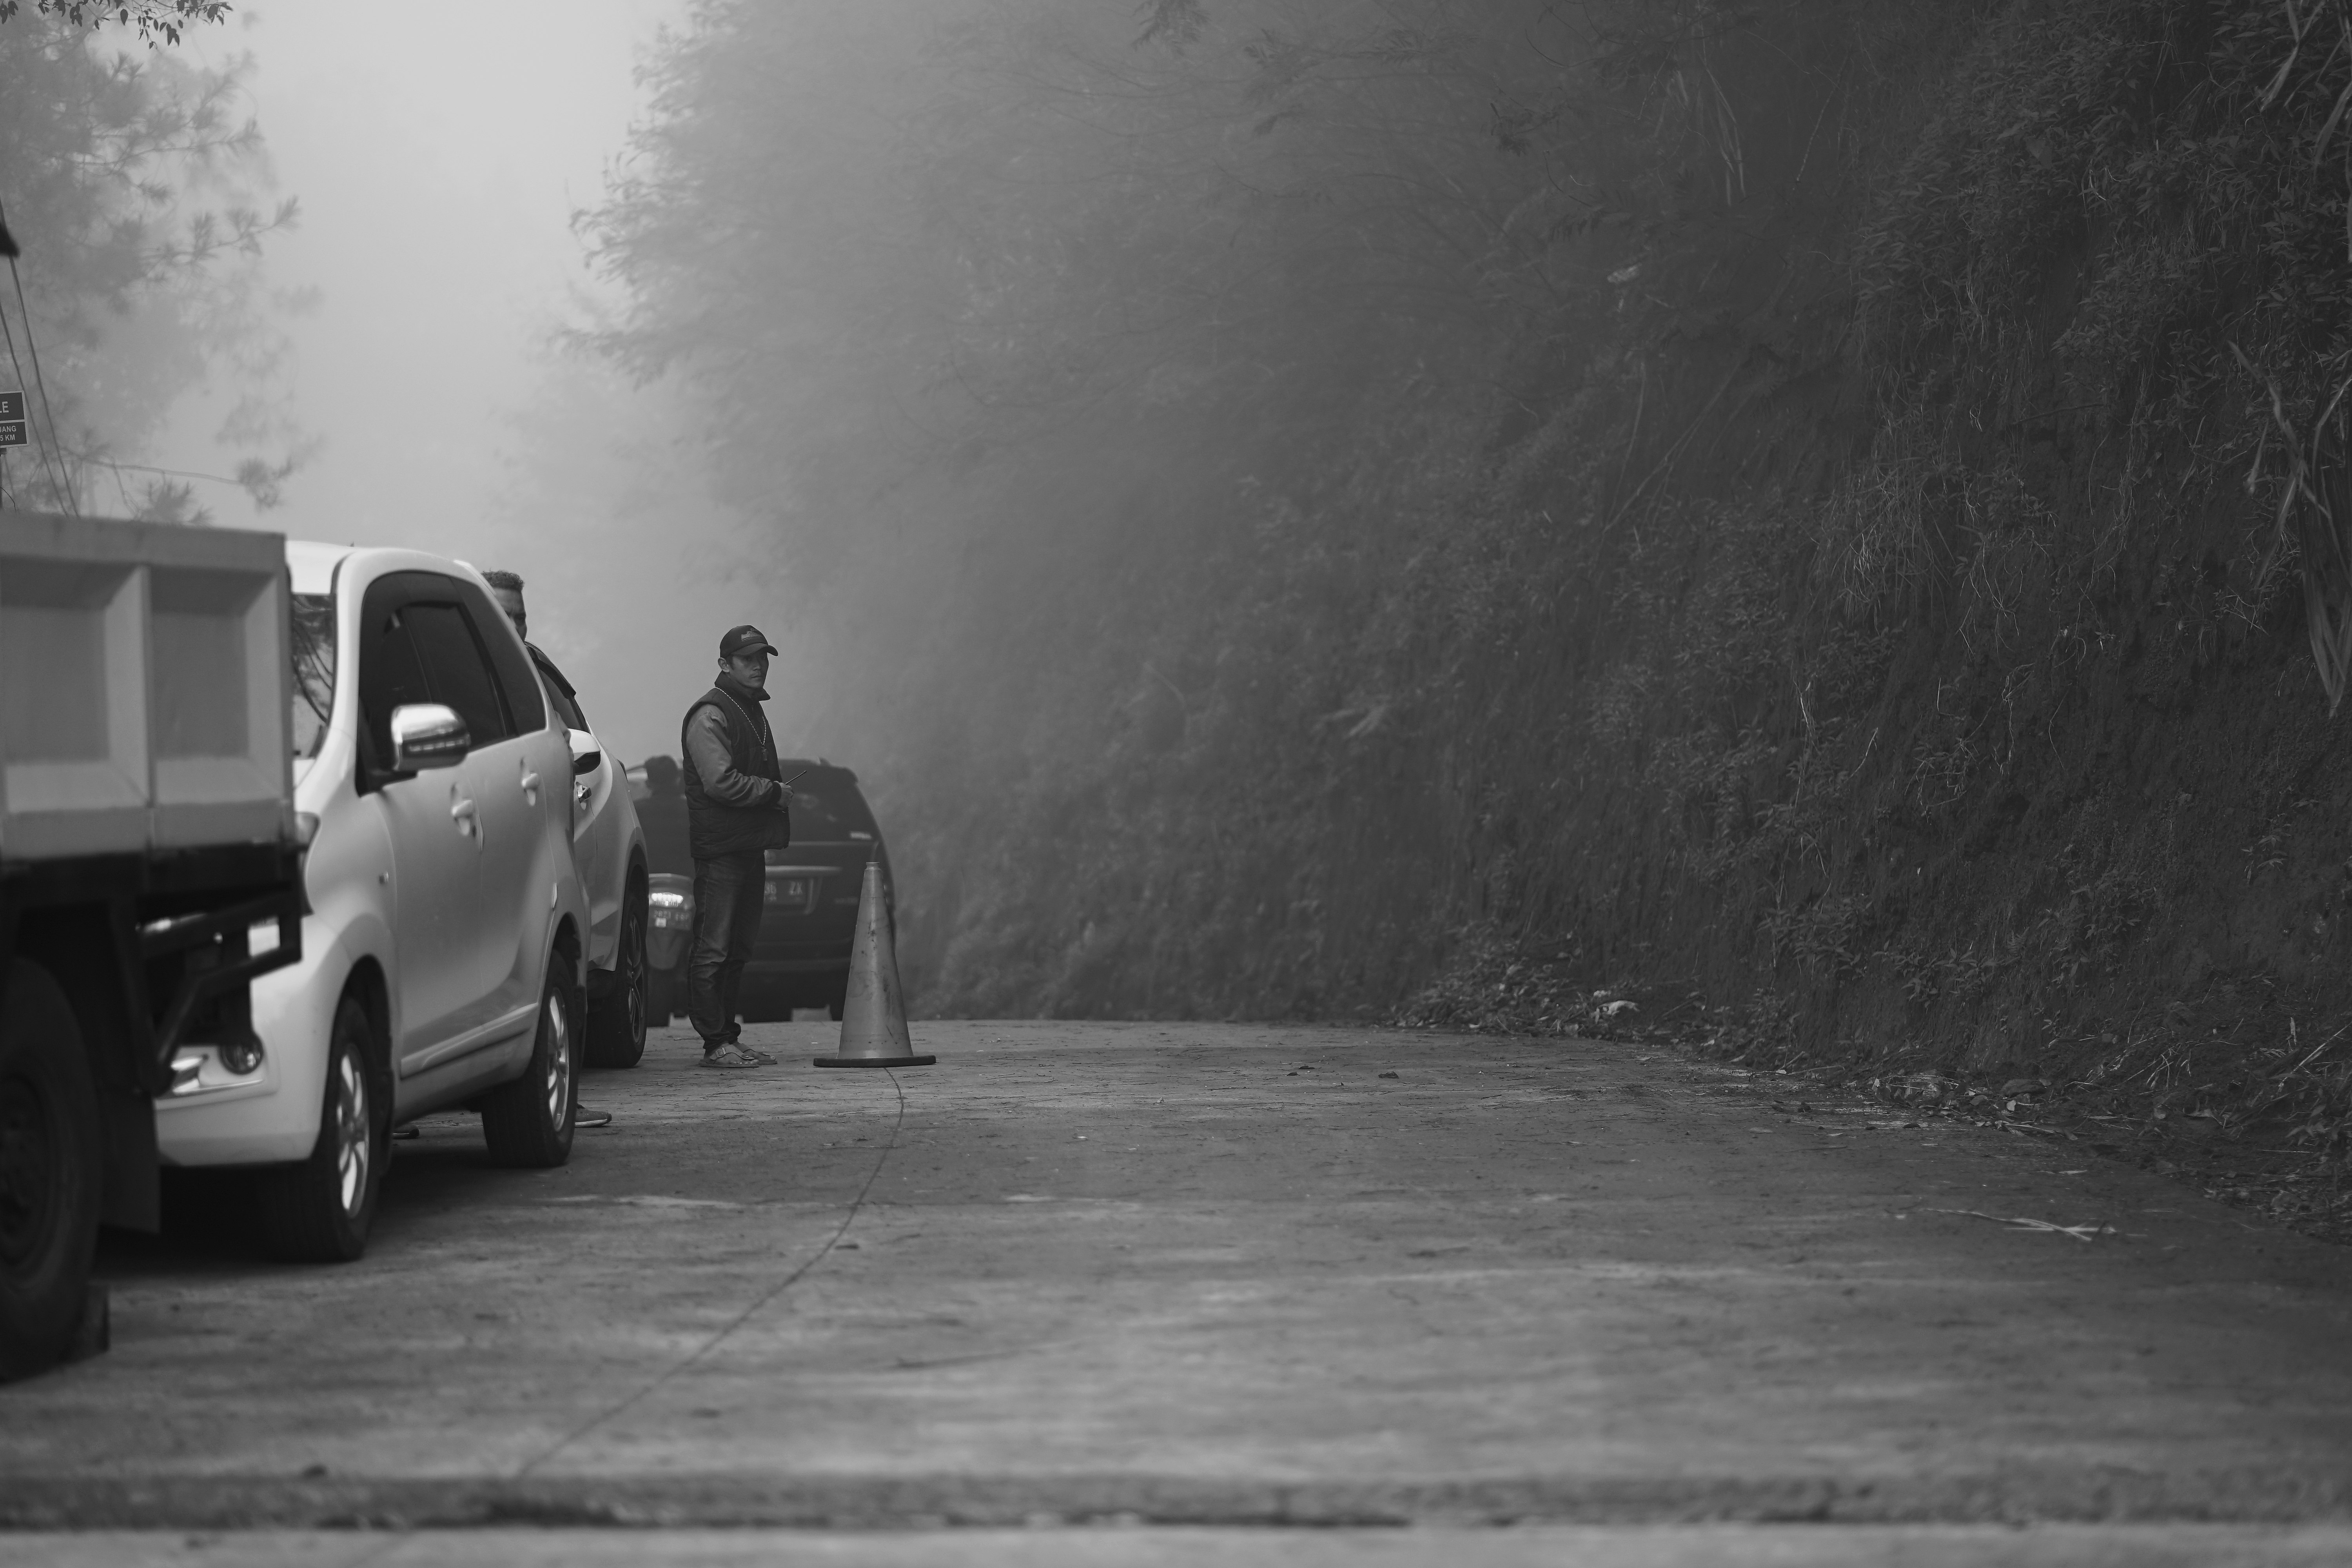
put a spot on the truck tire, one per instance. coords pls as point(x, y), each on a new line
point(617, 1022)
point(527, 1123)
point(52, 1170)
point(320, 1210)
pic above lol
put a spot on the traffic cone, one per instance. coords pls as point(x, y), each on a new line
point(874, 1012)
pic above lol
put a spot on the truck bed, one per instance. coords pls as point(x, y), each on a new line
point(143, 688)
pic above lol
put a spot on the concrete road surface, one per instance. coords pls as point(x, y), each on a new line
point(1080, 1283)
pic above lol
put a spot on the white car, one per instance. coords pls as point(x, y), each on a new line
point(444, 950)
point(610, 849)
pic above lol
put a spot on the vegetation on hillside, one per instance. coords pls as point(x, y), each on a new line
point(1831, 513)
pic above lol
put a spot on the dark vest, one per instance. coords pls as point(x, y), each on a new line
point(715, 829)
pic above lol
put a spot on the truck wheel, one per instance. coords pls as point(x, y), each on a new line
point(617, 1025)
point(51, 1170)
point(527, 1123)
point(320, 1211)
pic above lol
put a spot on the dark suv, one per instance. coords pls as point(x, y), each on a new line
point(803, 956)
point(811, 915)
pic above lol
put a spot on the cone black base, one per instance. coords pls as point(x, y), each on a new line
point(874, 1061)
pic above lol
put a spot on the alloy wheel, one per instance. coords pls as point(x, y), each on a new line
point(354, 1147)
point(559, 1059)
point(632, 975)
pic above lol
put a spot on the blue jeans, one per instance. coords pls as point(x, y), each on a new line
point(727, 894)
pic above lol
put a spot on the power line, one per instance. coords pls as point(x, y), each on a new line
point(116, 470)
point(151, 469)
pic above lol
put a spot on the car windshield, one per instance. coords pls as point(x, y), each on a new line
point(827, 806)
point(313, 645)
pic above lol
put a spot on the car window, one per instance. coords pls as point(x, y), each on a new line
point(458, 668)
point(526, 702)
point(313, 643)
point(567, 709)
point(391, 674)
point(827, 807)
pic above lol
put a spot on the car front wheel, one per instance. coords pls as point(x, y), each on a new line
point(527, 1123)
point(320, 1211)
point(617, 1024)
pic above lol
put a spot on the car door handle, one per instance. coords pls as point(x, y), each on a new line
point(462, 813)
point(530, 787)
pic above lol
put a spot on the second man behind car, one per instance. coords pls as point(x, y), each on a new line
point(506, 587)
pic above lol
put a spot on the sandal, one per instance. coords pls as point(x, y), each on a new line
point(733, 1056)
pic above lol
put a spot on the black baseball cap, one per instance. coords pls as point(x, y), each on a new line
point(745, 639)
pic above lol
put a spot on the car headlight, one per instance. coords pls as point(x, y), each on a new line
point(667, 901)
point(199, 1069)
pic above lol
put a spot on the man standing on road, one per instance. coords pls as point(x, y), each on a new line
point(506, 587)
point(736, 809)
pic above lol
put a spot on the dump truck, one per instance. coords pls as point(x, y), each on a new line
point(150, 868)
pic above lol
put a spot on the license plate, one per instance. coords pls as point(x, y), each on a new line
point(792, 892)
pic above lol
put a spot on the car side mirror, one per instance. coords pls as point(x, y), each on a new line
point(586, 757)
point(427, 735)
point(587, 762)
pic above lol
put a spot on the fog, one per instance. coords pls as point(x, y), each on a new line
point(439, 155)
point(1100, 377)
point(1090, 398)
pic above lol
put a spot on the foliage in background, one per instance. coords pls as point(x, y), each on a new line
point(1300, 505)
point(155, 21)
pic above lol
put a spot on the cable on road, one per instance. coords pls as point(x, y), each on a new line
point(739, 1318)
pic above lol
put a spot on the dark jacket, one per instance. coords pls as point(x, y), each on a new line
point(735, 796)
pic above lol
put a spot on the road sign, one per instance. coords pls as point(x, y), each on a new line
point(12, 419)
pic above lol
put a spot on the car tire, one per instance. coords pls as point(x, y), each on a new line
point(320, 1210)
point(616, 1025)
point(527, 1123)
point(52, 1172)
point(838, 1001)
